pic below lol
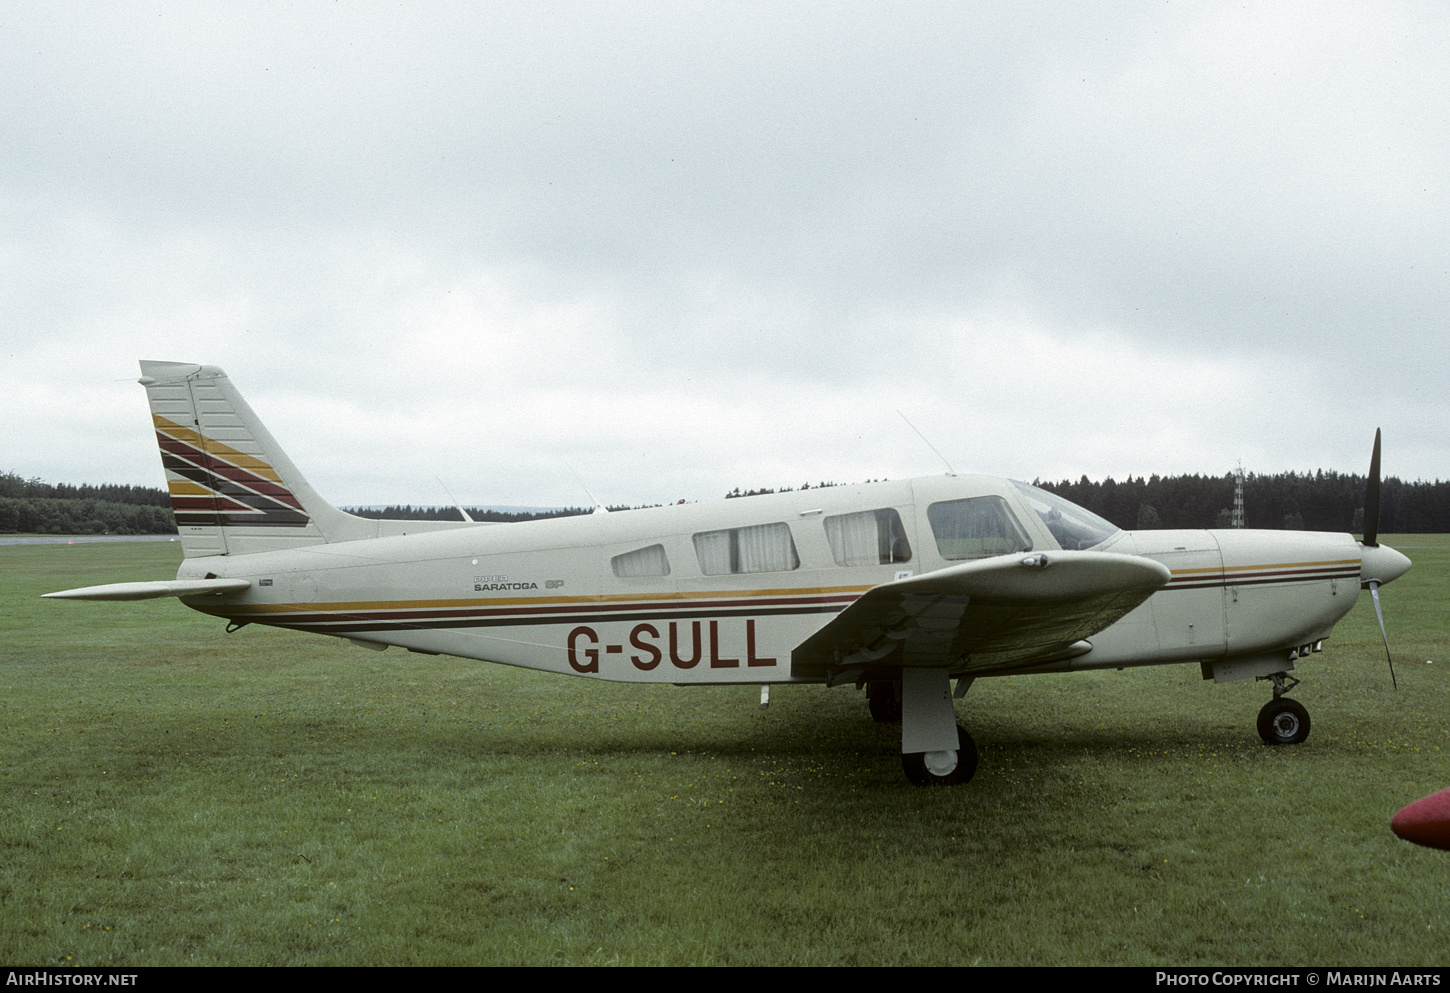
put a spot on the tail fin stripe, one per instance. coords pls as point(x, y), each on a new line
point(209, 504)
point(215, 466)
point(197, 440)
point(252, 508)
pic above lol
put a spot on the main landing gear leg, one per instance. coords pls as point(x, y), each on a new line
point(935, 751)
point(1283, 721)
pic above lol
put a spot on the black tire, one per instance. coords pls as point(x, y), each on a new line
point(1283, 722)
point(920, 773)
point(884, 700)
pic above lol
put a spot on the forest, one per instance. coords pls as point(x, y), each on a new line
point(1320, 501)
point(30, 506)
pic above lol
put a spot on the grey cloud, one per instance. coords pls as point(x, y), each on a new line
point(819, 201)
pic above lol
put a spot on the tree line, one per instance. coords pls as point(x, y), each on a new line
point(1319, 501)
point(30, 506)
point(16, 487)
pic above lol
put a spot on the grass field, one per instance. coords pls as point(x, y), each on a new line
point(176, 795)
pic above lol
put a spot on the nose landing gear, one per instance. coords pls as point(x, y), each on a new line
point(1283, 721)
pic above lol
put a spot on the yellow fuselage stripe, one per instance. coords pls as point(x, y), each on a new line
point(1261, 568)
point(541, 601)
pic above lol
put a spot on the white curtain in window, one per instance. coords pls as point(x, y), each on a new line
point(766, 548)
point(713, 550)
point(855, 538)
point(649, 561)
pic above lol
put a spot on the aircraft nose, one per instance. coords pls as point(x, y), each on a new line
point(1381, 564)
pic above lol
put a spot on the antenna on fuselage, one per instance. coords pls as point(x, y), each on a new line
point(599, 508)
point(470, 520)
point(950, 470)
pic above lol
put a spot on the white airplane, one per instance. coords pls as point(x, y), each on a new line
point(897, 587)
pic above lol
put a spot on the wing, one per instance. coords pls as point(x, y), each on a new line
point(1010, 611)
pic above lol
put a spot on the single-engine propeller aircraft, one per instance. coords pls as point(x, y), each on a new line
point(897, 587)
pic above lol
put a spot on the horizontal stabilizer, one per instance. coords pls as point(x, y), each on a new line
point(151, 591)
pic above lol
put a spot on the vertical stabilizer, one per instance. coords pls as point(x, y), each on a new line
point(233, 489)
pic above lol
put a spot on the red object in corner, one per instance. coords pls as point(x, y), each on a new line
point(1426, 821)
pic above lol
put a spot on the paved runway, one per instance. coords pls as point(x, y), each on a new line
point(77, 539)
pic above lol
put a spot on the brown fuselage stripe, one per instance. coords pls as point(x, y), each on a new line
point(309, 613)
point(298, 615)
point(1260, 575)
point(530, 611)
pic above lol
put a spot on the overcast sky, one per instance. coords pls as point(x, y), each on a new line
point(675, 248)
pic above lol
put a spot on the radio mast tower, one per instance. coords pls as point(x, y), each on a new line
point(1238, 517)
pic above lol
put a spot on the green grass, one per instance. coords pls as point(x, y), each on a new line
point(170, 794)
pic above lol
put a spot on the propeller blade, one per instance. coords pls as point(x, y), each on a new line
point(1374, 592)
point(1372, 497)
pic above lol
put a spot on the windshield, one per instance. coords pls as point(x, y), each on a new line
point(1074, 528)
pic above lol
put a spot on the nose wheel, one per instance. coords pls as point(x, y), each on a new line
point(1283, 722)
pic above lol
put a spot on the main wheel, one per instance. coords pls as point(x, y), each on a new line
point(1283, 722)
point(884, 701)
point(943, 768)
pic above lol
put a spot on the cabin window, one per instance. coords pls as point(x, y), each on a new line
point(975, 528)
point(1072, 526)
point(872, 537)
point(649, 561)
point(763, 548)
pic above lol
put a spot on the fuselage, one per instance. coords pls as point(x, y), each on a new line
point(722, 592)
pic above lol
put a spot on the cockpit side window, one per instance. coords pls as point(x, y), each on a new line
point(976, 527)
point(872, 537)
point(1074, 528)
